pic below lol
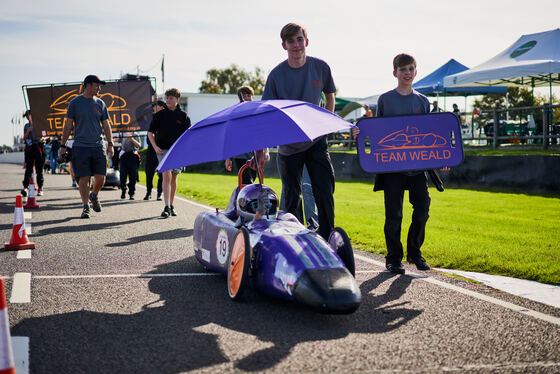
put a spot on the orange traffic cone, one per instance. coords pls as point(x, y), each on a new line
point(19, 239)
point(6, 353)
point(31, 202)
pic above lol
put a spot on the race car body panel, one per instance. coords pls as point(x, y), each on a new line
point(287, 260)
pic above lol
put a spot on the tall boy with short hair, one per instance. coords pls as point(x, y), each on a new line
point(304, 78)
point(401, 101)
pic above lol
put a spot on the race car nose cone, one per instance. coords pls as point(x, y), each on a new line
point(328, 290)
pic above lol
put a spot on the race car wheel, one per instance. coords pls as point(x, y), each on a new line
point(340, 243)
point(238, 264)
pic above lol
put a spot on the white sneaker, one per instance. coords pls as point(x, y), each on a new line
point(40, 192)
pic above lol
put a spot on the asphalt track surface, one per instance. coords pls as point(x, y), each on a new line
point(122, 293)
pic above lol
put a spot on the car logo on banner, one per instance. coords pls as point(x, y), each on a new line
point(404, 143)
point(222, 247)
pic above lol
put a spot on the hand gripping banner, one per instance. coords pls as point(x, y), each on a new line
point(404, 143)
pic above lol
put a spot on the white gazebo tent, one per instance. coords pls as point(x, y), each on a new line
point(533, 60)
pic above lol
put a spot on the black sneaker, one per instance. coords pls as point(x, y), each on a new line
point(166, 212)
point(173, 211)
point(131, 197)
point(148, 196)
point(95, 203)
point(395, 267)
point(23, 192)
point(85, 213)
point(420, 263)
point(123, 194)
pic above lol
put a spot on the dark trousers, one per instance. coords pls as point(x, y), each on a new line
point(129, 163)
point(34, 156)
point(151, 165)
point(394, 186)
point(249, 174)
point(321, 173)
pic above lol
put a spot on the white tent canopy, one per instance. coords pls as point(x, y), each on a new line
point(533, 60)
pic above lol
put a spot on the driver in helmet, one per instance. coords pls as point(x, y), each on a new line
point(254, 203)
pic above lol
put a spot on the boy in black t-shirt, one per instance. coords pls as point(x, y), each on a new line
point(167, 126)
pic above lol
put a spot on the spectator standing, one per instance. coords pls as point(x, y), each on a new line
point(457, 113)
point(88, 115)
point(368, 112)
point(244, 93)
point(167, 126)
point(152, 161)
point(304, 78)
point(34, 155)
point(401, 101)
point(435, 107)
point(129, 161)
point(55, 148)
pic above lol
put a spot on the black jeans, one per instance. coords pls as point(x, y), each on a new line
point(34, 156)
point(394, 186)
point(129, 163)
point(151, 165)
point(321, 172)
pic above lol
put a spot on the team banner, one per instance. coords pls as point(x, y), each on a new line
point(128, 103)
point(404, 143)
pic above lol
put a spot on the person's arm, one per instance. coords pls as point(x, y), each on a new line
point(329, 102)
point(68, 124)
point(109, 136)
point(152, 140)
point(26, 135)
point(134, 141)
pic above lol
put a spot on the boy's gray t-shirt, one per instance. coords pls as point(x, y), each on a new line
point(304, 84)
point(392, 103)
point(87, 115)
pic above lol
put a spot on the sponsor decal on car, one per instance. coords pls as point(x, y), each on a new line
point(222, 247)
point(285, 273)
point(205, 255)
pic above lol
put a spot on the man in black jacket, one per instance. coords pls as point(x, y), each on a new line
point(166, 127)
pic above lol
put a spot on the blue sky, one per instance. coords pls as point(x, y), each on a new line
point(63, 41)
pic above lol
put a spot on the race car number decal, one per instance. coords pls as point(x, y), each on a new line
point(222, 247)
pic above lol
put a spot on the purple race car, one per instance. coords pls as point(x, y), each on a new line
point(251, 241)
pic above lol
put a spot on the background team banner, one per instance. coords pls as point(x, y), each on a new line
point(128, 103)
point(404, 143)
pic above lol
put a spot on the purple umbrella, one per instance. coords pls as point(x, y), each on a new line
point(249, 126)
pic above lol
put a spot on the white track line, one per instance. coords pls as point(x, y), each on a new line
point(505, 304)
point(21, 288)
point(27, 215)
point(155, 275)
point(23, 254)
point(185, 200)
point(20, 345)
point(28, 228)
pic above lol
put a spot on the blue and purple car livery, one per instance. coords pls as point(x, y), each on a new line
point(277, 255)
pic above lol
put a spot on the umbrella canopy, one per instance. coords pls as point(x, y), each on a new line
point(249, 126)
point(533, 60)
point(432, 84)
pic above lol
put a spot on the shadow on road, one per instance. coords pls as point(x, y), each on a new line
point(194, 325)
point(156, 236)
point(86, 227)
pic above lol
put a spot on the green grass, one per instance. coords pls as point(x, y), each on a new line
point(508, 234)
